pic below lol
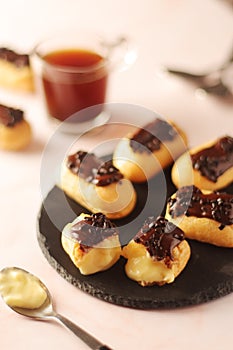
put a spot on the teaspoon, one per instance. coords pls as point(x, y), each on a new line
point(44, 311)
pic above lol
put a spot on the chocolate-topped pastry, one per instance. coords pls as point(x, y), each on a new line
point(149, 138)
point(15, 131)
point(92, 242)
point(92, 229)
point(213, 161)
point(93, 169)
point(160, 237)
point(209, 167)
point(15, 70)
point(19, 60)
point(157, 254)
point(97, 185)
point(207, 217)
point(190, 201)
point(144, 153)
point(10, 116)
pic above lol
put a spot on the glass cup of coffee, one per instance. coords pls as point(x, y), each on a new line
point(74, 72)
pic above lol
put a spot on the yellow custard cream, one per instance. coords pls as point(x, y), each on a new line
point(141, 267)
point(20, 289)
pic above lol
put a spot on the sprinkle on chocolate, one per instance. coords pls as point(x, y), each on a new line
point(190, 201)
point(11, 56)
point(74, 162)
point(149, 138)
point(106, 174)
point(92, 230)
point(93, 169)
point(212, 162)
point(160, 237)
point(10, 116)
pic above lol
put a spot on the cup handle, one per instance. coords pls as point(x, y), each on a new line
point(121, 53)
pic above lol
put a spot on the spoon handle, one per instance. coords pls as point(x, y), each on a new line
point(187, 75)
point(87, 338)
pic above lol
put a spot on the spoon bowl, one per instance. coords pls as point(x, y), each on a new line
point(45, 310)
point(16, 284)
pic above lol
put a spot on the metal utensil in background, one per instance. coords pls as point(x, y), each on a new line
point(217, 82)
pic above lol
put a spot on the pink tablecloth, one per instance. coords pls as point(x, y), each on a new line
point(195, 35)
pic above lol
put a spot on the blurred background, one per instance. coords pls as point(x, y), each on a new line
point(194, 35)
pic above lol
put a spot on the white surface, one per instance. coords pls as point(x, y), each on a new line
point(195, 34)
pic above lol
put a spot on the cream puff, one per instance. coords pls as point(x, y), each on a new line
point(209, 167)
point(144, 153)
point(97, 185)
point(206, 217)
point(92, 242)
point(157, 254)
point(15, 70)
point(15, 131)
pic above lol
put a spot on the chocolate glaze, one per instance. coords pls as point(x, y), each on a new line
point(149, 138)
point(10, 116)
point(92, 230)
point(93, 169)
point(190, 201)
point(17, 59)
point(212, 162)
point(160, 237)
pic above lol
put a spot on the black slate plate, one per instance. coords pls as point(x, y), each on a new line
point(208, 275)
